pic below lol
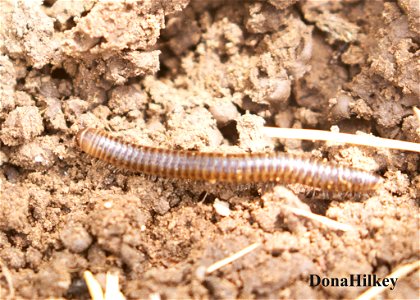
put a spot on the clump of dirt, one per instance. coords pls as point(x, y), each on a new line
point(203, 76)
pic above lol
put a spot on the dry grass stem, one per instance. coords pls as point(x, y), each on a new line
point(334, 225)
point(320, 135)
point(417, 113)
point(401, 271)
point(8, 276)
point(93, 285)
point(112, 290)
point(229, 259)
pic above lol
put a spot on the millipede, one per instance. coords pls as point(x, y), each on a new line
point(221, 167)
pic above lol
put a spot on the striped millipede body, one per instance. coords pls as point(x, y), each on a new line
point(219, 167)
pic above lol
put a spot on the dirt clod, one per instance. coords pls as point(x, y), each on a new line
point(21, 125)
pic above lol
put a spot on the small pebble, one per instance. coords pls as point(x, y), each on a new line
point(200, 273)
point(108, 204)
point(221, 208)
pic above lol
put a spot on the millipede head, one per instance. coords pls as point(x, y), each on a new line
point(79, 136)
point(84, 137)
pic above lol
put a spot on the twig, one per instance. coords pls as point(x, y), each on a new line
point(320, 135)
point(229, 259)
point(324, 220)
point(401, 271)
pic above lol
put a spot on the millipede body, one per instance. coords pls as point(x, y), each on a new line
point(220, 167)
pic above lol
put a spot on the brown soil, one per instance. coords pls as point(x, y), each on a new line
point(203, 76)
